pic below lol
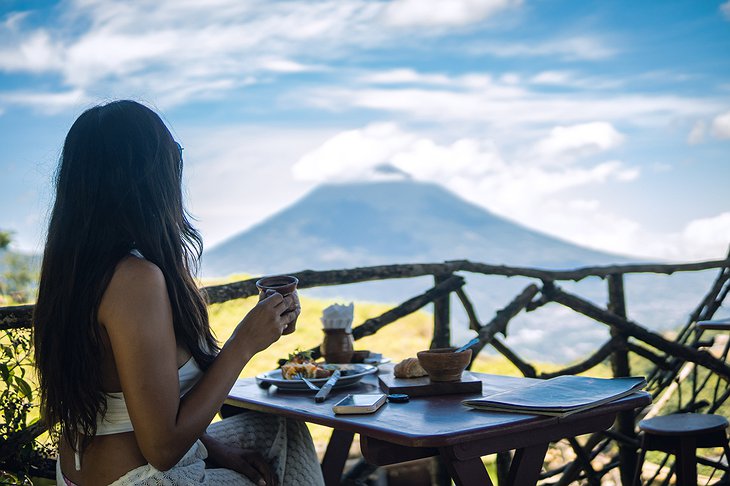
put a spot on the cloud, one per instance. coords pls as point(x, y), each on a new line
point(354, 154)
point(721, 126)
point(417, 13)
point(289, 66)
point(34, 53)
point(483, 99)
point(363, 154)
point(170, 51)
point(697, 134)
point(522, 189)
point(579, 140)
point(553, 78)
point(220, 46)
point(217, 46)
point(725, 9)
point(579, 47)
point(569, 79)
point(707, 236)
point(48, 103)
point(404, 76)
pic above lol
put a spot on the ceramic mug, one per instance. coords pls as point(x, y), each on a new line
point(284, 285)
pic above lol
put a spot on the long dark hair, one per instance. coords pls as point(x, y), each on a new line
point(118, 188)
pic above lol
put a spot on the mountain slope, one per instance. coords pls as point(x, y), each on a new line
point(338, 226)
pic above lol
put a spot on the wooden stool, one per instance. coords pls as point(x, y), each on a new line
point(681, 434)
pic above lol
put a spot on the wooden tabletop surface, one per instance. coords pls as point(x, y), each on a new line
point(422, 422)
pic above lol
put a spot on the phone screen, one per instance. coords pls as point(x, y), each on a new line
point(360, 403)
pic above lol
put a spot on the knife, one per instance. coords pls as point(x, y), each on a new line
point(324, 391)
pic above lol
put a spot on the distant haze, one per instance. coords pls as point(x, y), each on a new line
point(349, 225)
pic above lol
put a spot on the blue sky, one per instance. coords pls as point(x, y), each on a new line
point(604, 123)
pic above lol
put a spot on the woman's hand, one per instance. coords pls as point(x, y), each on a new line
point(295, 308)
point(248, 462)
point(264, 324)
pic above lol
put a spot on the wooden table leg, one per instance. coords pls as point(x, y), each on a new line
point(526, 465)
point(333, 462)
point(466, 472)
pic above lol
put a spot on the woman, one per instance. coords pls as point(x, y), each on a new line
point(128, 365)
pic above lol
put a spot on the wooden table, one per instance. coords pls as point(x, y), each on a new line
point(431, 426)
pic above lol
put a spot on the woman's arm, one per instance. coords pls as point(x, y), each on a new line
point(136, 313)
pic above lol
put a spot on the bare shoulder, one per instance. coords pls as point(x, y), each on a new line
point(136, 285)
point(137, 271)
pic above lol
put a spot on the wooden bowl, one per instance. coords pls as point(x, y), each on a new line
point(444, 364)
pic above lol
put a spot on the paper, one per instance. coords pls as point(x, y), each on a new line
point(338, 316)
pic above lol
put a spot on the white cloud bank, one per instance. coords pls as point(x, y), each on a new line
point(419, 13)
point(533, 191)
point(207, 49)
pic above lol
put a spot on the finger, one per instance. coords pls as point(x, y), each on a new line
point(274, 299)
point(289, 301)
point(253, 474)
point(266, 293)
point(263, 467)
point(268, 473)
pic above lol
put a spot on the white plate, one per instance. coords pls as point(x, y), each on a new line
point(350, 374)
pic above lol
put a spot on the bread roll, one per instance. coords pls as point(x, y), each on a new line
point(409, 368)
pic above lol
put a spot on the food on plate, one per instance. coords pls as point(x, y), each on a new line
point(301, 363)
point(409, 368)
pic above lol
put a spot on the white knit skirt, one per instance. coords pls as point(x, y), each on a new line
point(285, 444)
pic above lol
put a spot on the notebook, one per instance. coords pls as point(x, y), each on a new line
point(559, 396)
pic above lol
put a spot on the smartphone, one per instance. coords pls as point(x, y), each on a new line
point(359, 403)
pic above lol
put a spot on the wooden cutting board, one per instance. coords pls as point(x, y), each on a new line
point(423, 386)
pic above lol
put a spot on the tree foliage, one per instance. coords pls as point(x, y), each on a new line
point(4, 239)
point(21, 453)
point(18, 279)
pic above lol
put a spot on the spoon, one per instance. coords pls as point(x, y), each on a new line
point(467, 345)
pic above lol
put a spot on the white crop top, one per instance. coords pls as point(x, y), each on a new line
point(116, 419)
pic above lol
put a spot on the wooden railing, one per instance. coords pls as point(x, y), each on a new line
point(669, 361)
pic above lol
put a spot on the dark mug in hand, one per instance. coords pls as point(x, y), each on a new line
point(286, 285)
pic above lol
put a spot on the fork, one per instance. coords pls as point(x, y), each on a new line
point(311, 385)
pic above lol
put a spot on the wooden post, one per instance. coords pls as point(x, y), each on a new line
point(620, 366)
point(441, 316)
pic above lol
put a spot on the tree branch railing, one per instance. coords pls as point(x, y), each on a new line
point(665, 356)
